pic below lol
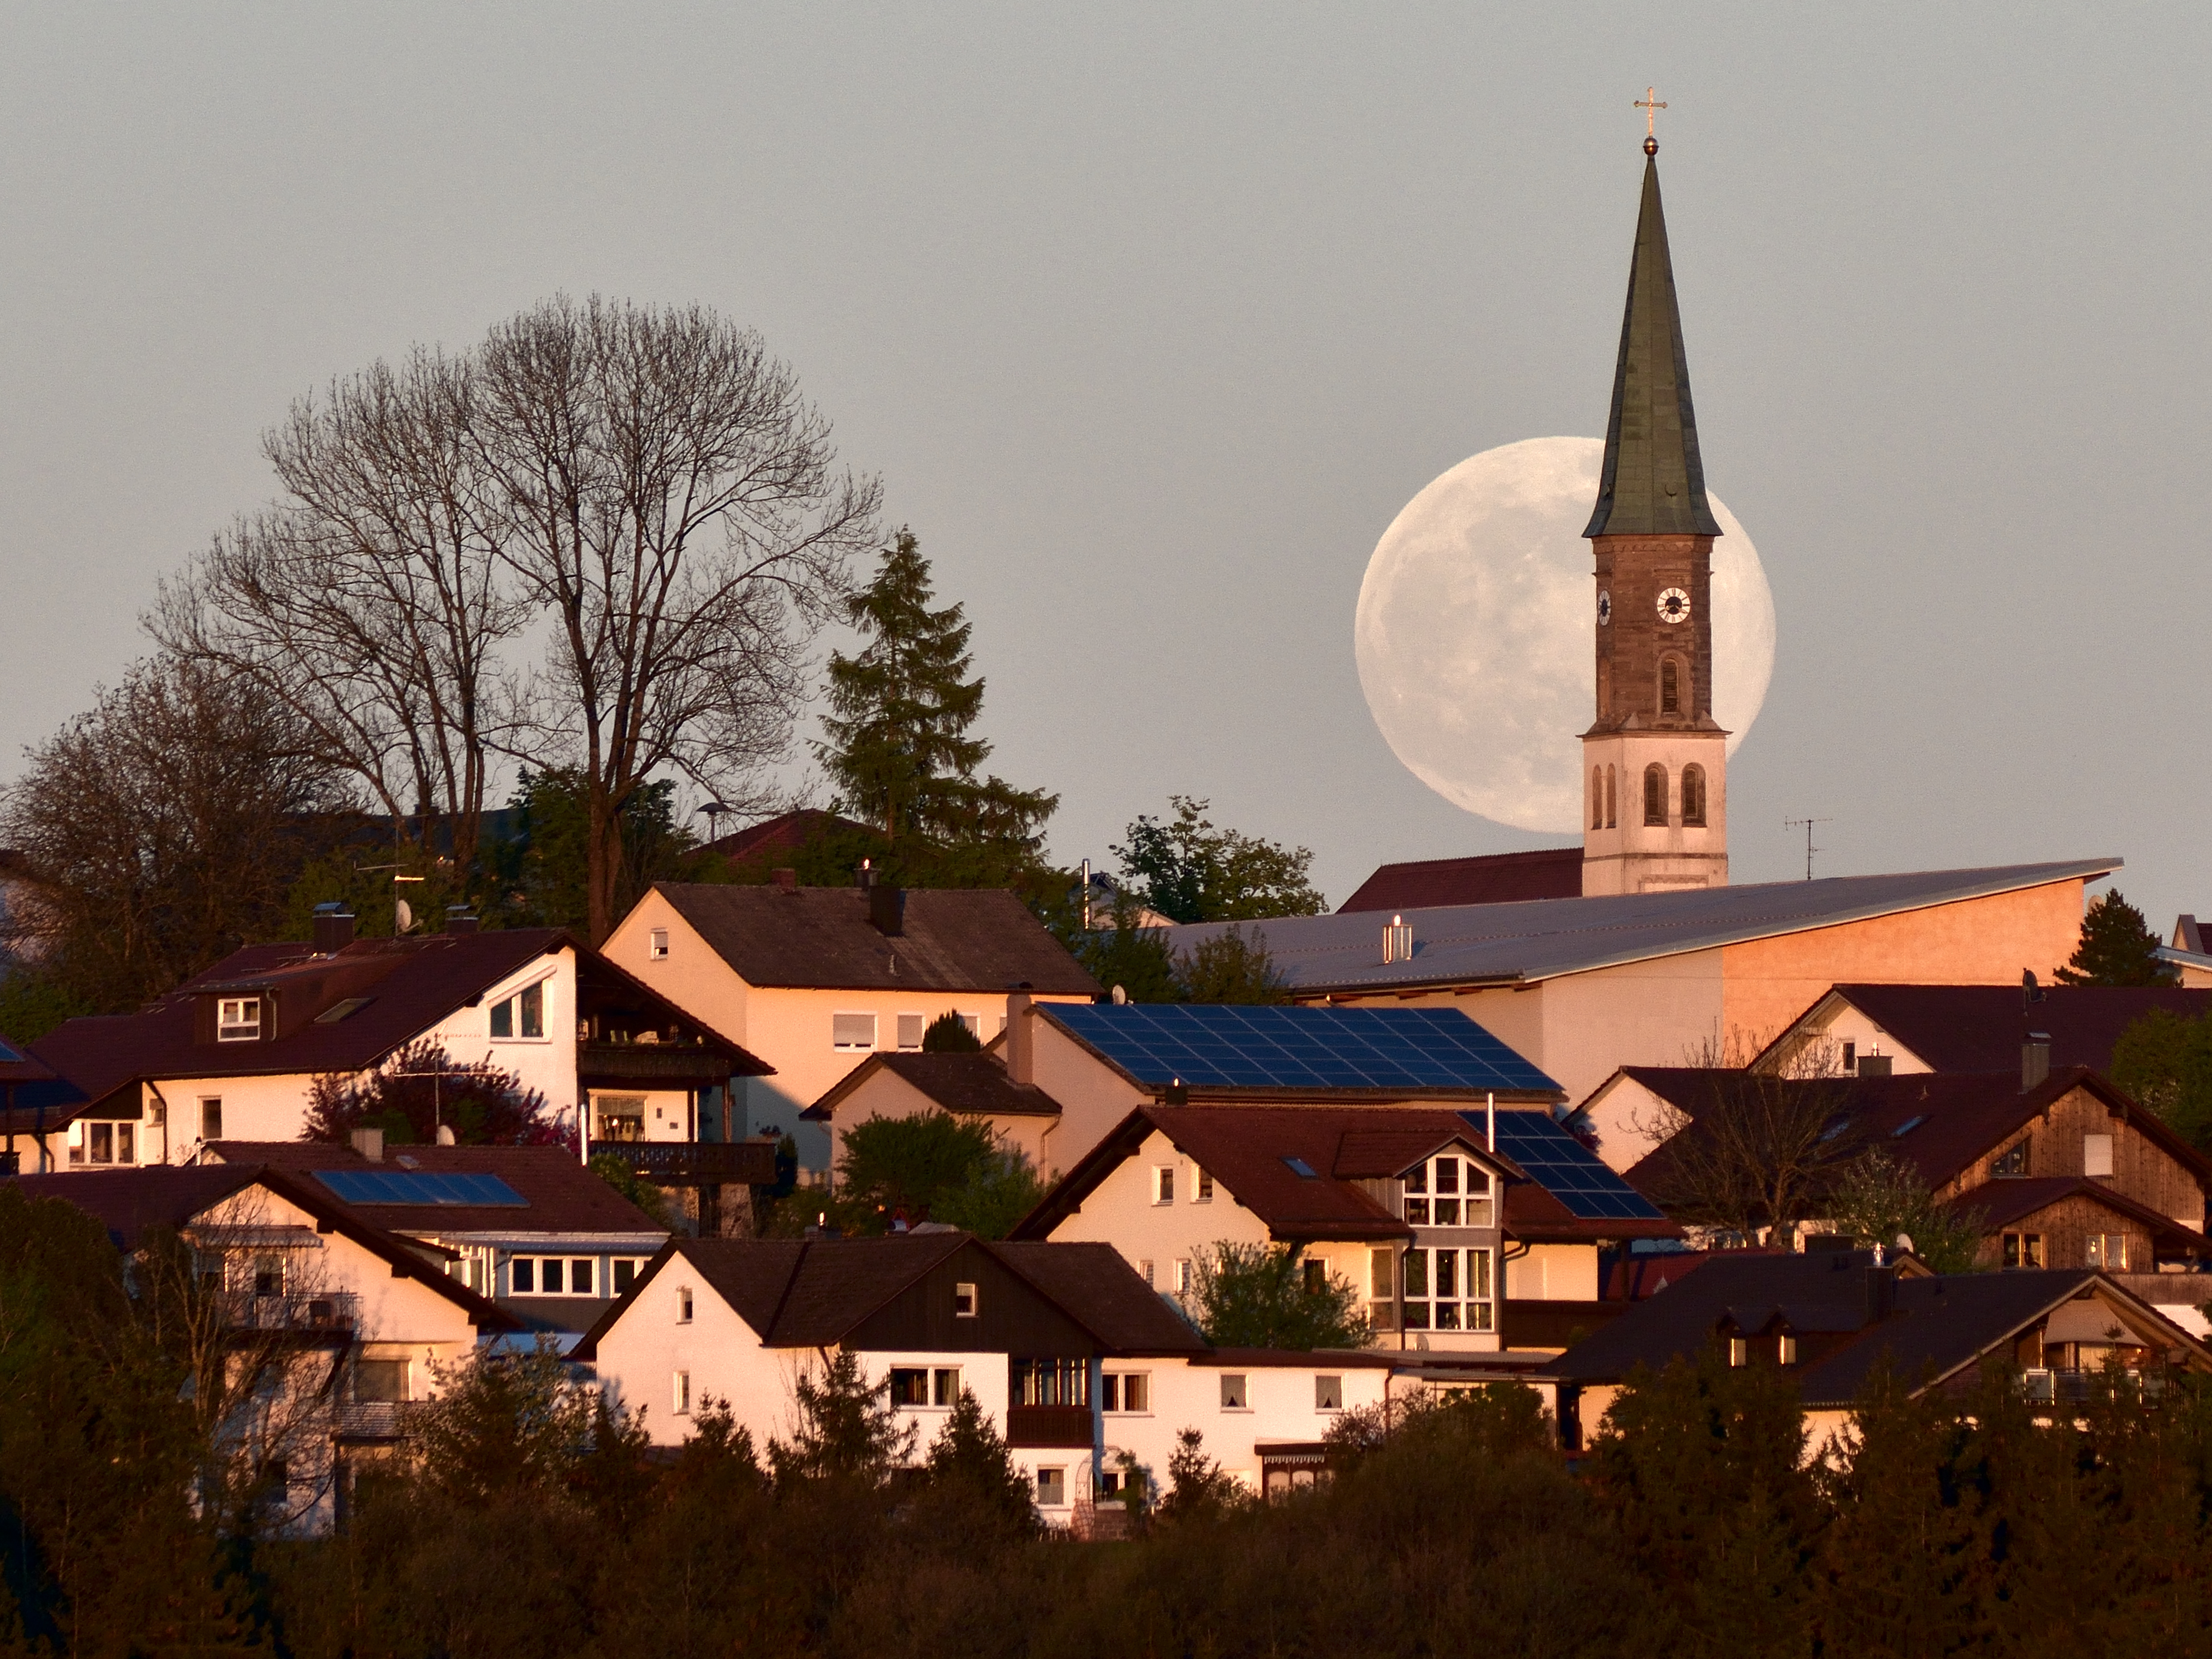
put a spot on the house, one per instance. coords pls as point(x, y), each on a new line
point(528, 1227)
point(32, 1095)
point(348, 1323)
point(234, 1053)
point(1833, 1319)
point(815, 980)
point(1463, 1235)
point(1069, 1355)
point(1855, 1029)
point(1688, 976)
point(2189, 954)
point(2067, 1172)
point(974, 1087)
point(1549, 872)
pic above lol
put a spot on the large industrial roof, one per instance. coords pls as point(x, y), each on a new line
point(1544, 938)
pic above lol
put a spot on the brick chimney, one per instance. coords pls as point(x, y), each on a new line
point(887, 909)
point(786, 880)
point(1021, 1039)
point(2034, 1060)
point(333, 928)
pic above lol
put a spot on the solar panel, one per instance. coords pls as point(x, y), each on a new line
point(8, 1055)
point(1299, 1048)
point(1566, 1168)
point(419, 1186)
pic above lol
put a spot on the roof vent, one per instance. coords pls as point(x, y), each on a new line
point(2034, 1060)
point(370, 1143)
point(1398, 940)
point(786, 880)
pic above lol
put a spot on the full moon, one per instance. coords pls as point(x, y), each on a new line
point(1474, 632)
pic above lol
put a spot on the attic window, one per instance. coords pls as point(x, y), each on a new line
point(1835, 1129)
point(1907, 1127)
point(522, 1014)
point(238, 1019)
point(2012, 1161)
point(339, 1011)
point(657, 947)
point(1301, 1169)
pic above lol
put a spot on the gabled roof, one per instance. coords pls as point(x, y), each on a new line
point(786, 832)
point(1259, 1156)
point(950, 939)
point(1930, 1329)
point(975, 1083)
point(18, 1065)
point(1544, 938)
point(1938, 1123)
point(814, 1293)
point(128, 1202)
point(559, 1194)
point(1997, 1204)
point(1302, 1050)
point(1980, 1028)
point(1494, 879)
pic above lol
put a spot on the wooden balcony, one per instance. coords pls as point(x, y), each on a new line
point(695, 1163)
point(651, 1066)
point(1039, 1426)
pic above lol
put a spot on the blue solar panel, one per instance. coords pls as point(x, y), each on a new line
point(1298, 1047)
point(1566, 1168)
point(419, 1186)
point(7, 1053)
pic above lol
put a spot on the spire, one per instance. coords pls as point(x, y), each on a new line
point(1653, 482)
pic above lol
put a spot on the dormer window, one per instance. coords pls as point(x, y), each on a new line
point(238, 1019)
point(1448, 1191)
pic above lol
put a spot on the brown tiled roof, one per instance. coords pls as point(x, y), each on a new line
point(951, 940)
point(19, 1064)
point(958, 1083)
point(1980, 1028)
point(786, 832)
point(2001, 1203)
point(1093, 1286)
point(1499, 878)
point(559, 1194)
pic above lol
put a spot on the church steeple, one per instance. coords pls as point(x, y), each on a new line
point(1653, 482)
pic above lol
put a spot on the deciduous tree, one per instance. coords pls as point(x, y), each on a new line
point(1270, 1296)
point(1189, 870)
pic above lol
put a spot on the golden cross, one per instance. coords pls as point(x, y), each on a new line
point(1650, 105)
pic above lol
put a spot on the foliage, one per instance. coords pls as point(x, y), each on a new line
point(500, 1424)
point(2164, 1060)
point(618, 1173)
point(1231, 967)
point(1137, 958)
point(932, 1167)
point(1198, 1489)
point(997, 1193)
point(1879, 1198)
point(1269, 1296)
point(2118, 947)
point(900, 750)
point(1189, 870)
point(33, 1001)
point(419, 1089)
point(972, 1476)
point(948, 1034)
point(543, 868)
point(847, 1432)
point(1755, 1155)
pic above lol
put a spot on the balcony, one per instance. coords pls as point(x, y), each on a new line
point(650, 1065)
point(1039, 1426)
point(333, 1311)
point(696, 1163)
point(2046, 1387)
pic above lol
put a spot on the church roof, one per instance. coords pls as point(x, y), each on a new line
point(1653, 482)
point(1492, 878)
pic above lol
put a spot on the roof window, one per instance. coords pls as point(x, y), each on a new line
point(1301, 1169)
point(1907, 1127)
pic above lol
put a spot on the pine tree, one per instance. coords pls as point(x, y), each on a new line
point(900, 750)
point(2118, 948)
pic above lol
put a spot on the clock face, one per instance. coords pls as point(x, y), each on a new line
point(1604, 608)
point(1673, 605)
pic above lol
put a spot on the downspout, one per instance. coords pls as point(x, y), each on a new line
point(1097, 1426)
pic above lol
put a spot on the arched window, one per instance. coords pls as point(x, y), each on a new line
point(1612, 817)
point(1597, 798)
point(1693, 794)
point(1670, 686)
point(1654, 794)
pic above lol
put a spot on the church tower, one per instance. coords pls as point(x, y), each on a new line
point(1654, 762)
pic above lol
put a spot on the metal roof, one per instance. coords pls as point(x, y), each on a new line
point(1212, 1046)
point(1545, 939)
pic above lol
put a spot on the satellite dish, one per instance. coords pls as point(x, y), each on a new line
point(403, 916)
point(1904, 1243)
point(1120, 996)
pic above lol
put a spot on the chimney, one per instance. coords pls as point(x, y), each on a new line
point(865, 877)
point(1880, 1292)
point(887, 909)
point(1398, 940)
point(370, 1143)
point(1178, 1094)
point(460, 919)
point(1021, 1040)
point(786, 881)
point(333, 928)
point(2034, 1060)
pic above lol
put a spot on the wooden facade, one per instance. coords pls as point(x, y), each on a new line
point(2144, 1165)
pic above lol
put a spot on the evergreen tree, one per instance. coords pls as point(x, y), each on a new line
point(2165, 1061)
point(2118, 948)
point(948, 1034)
point(847, 1431)
point(1231, 967)
point(900, 750)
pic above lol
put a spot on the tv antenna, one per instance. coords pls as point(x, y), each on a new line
point(1806, 824)
point(402, 914)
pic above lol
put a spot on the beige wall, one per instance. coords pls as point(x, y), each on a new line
point(1553, 1273)
point(1093, 1096)
point(1627, 1119)
point(1122, 1213)
point(886, 1094)
point(1818, 1043)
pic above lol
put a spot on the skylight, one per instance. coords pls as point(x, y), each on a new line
point(1301, 1169)
point(1835, 1128)
point(1907, 1127)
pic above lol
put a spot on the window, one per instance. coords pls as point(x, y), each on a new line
point(2012, 1161)
point(1051, 1488)
point(657, 944)
point(1449, 1291)
point(618, 1117)
point(853, 1033)
point(550, 1276)
point(1612, 798)
point(581, 1276)
point(1693, 794)
point(1049, 1382)
point(975, 1024)
point(1447, 1191)
point(1670, 687)
point(1654, 794)
point(1204, 1194)
point(521, 1276)
point(2109, 1251)
point(1163, 1184)
point(237, 1019)
point(1145, 1272)
point(1235, 1396)
point(99, 1143)
point(1597, 798)
point(1850, 1057)
point(1316, 1277)
point(210, 1118)
point(379, 1380)
point(2096, 1154)
point(682, 1394)
point(522, 1015)
point(909, 1033)
point(1128, 1391)
point(1182, 1277)
point(1738, 1350)
point(1785, 1350)
point(683, 1304)
point(502, 1018)
point(909, 1386)
point(963, 1301)
point(268, 1275)
point(1328, 1394)
point(126, 1143)
point(1301, 1169)
point(626, 1270)
point(1383, 1287)
point(2022, 1249)
point(945, 1385)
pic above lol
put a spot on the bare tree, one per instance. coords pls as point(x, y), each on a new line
point(369, 601)
point(671, 500)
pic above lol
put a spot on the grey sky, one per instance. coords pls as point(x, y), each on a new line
point(1152, 317)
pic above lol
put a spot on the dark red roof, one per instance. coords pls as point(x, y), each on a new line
point(950, 939)
point(959, 1083)
point(19, 1064)
point(1496, 878)
point(786, 832)
point(2002, 1203)
point(1980, 1028)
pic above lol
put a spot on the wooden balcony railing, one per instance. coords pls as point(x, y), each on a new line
point(1049, 1425)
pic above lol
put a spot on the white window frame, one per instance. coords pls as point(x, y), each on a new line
point(514, 1032)
point(965, 1302)
point(846, 1048)
point(1117, 1386)
point(1235, 1391)
point(680, 1391)
point(210, 1117)
point(920, 1023)
point(1325, 1384)
point(1058, 1474)
point(1201, 1186)
point(238, 1019)
point(1183, 1276)
point(656, 945)
point(1164, 1185)
point(683, 1304)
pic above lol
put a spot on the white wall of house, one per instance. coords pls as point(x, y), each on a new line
point(644, 1353)
point(1628, 1119)
point(887, 1095)
point(1093, 1096)
point(1817, 1041)
point(1552, 1273)
point(1155, 1237)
